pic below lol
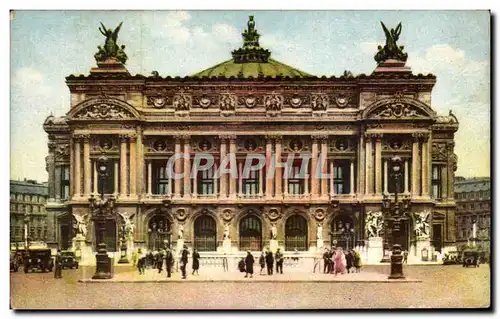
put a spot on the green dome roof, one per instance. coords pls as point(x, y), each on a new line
point(251, 60)
point(270, 68)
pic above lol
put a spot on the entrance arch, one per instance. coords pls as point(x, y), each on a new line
point(250, 233)
point(296, 233)
point(159, 231)
point(343, 233)
point(205, 233)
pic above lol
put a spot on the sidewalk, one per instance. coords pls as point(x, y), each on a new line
point(217, 275)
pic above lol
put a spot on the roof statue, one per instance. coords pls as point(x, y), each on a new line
point(391, 50)
point(111, 50)
point(251, 50)
point(250, 35)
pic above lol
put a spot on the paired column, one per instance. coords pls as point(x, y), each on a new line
point(269, 181)
point(232, 178)
point(332, 189)
point(415, 166)
point(278, 172)
point(361, 163)
point(314, 166)
point(177, 166)
point(324, 167)
point(150, 173)
point(261, 182)
point(425, 165)
point(386, 176)
point(96, 179)
point(378, 164)
point(368, 165)
point(133, 167)
point(187, 167)
point(87, 168)
point(407, 173)
point(116, 178)
point(352, 177)
point(123, 166)
point(240, 179)
point(223, 176)
point(77, 172)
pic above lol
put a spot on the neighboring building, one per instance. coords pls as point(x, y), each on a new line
point(473, 197)
point(27, 213)
point(253, 104)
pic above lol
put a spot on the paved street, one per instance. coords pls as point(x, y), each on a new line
point(440, 286)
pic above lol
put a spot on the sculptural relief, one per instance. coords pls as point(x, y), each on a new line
point(182, 102)
point(81, 224)
point(422, 224)
point(319, 102)
point(273, 102)
point(374, 223)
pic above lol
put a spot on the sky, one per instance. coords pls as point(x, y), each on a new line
point(47, 46)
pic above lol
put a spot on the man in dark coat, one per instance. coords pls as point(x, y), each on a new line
point(196, 261)
point(349, 259)
point(326, 261)
point(269, 262)
point(58, 265)
point(169, 261)
point(159, 260)
point(279, 261)
point(249, 264)
point(184, 261)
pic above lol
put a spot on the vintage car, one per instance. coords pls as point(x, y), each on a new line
point(38, 259)
point(15, 261)
point(452, 258)
point(68, 260)
point(470, 258)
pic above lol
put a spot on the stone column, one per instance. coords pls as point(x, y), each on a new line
point(170, 183)
point(139, 162)
point(223, 176)
point(369, 166)
point(51, 163)
point(57, 185)
point(215, 183)
point(425, 166)
point(450, 190)
point(150, 173)
point(378, 164)
point(415, 170)
point(78, 177)
point(116, 179)
point(195, 181)
point(177, 166)
point(133, 167)
point(332, 188)
point(386, 176)
point(406, 190)
point(278, 172)
point(96, 180)
point(232, 178)
point(87, 170)
point(240, 179)
point(71, 167)
point(187, 167)
point(123, 166)
point(361, 163)
point(324, 167)
point(269, 181)
point(314, 165)
point(352, 177)
point(261, 182)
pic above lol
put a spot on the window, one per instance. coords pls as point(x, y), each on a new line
point(250, 233)
point(160, 178)
point(341, 171)
point(296, 233)
point(436, 181)
point(205, 181)
point(251, 184)
point(205, 233)
point(159, 232)
point(106, 183)
point(64, 183)
point(395, 182)
point(295, 180)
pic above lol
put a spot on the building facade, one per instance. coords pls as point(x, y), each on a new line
point(254, 105)
point(29, 221)
point(473, 197)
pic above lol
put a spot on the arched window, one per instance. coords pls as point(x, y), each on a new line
point(296, 233)
point(343, 232)
point(250, 233)
point(205, 234)
point(158, 232)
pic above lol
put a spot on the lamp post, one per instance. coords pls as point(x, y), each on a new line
point(395, 214)
point(103, 262)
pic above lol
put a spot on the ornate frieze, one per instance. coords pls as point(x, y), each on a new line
point(319, 102)
point(61, 151)
point(341, 100)
point(398, 111)
point(103, 111)
point(342, 144)
point(250, 101)
point(273, 102)
point(250, 145)
point(158, 101)
point(227, 102)
point(158, 145)
point(182, 102)
point(439, 152)
point(396, 143)
point(204, 144)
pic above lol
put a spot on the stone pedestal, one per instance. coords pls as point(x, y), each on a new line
point(83, 251)
point(417, 251)
point(319, 245)
point(375, 250)
point(226, 246)
point(273, 245)
point(180, 247)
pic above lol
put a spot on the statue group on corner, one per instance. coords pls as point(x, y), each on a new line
point(111, 49)
point(391, 50)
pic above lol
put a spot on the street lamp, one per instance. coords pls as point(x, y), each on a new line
point(395, 212)
point(103, 262)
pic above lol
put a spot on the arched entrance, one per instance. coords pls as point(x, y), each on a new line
point(342, 232)
point(250, 233)
point(205, 233)
point(296, 233)
point(159, 231)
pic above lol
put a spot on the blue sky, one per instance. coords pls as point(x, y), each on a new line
point(46, 46)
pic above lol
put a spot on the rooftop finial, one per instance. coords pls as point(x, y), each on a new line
point(251, 50)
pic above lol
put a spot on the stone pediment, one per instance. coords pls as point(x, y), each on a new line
point(398, 109)
point(103, 108)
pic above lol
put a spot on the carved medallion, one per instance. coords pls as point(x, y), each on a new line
point(181, 214)
point(274, 214)
point(296, 101)
point(204, 145)
point(250, 145)
point(341, 100)
point(157, 101)
point(227, 215)
point(296, 145)
point(341, 144)
point(106, 144)
point(205, 102)
point(319, 214)
point(319, 102)
point(160, 146)
point(250, 101)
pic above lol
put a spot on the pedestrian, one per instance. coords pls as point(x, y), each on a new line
point(159, 260)
point(169, 262)
point(224, 263)
point(249, 260)
point(339, 262)
point(357, 261)
point(326, 260)
point(349, 258)
point(141, 263)
point(331, 257)
point(279, 262)
point(405, 256)
point(269, 262)
point(241, 265)
point(196, 261)
point(135, 257)
point(58, 265)
point(184, 261)
point(262, 261)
